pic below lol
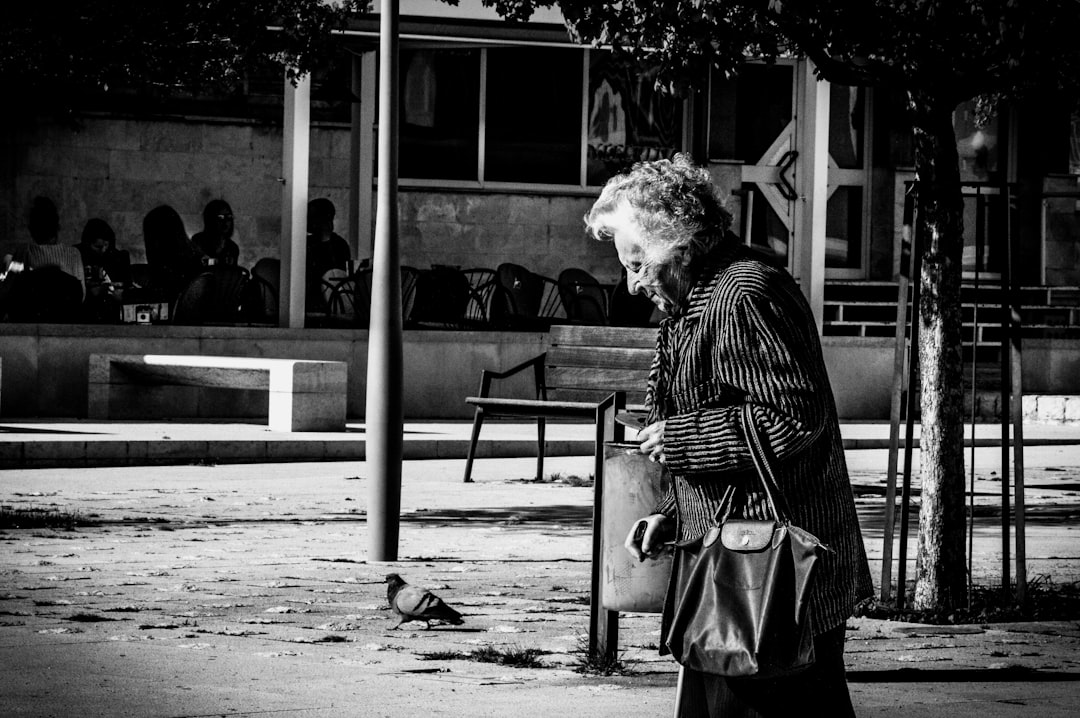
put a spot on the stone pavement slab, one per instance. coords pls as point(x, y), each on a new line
point(245, 590)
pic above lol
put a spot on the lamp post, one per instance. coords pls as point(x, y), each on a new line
point(384, 417)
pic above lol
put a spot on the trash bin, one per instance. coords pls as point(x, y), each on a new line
point(633, 485)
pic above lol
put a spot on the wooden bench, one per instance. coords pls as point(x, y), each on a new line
point(304, 395)
point(582, 368)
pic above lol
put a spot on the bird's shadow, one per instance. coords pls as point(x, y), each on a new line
point(441, 629)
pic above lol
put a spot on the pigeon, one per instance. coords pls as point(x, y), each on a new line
point(417, 604)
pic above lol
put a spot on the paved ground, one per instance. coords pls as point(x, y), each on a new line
point(243, 589)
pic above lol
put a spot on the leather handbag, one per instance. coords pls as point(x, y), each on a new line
point(741, 594)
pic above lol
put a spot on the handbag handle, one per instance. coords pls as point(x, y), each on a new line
point(764, 468)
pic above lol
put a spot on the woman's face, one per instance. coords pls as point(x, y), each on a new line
point(661, 275)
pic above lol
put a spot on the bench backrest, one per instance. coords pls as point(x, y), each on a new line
point(588, 363)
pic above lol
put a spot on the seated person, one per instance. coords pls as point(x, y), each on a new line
point(326, 250)
point(107, 270)
point(45, 250)
point(215, 240)
point(174, 260)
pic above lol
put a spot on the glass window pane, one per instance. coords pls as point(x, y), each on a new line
point(629, 120)
point(533, 115)
point(977, 146)
point(984, 229)
point(440, 114)
point(843, 228)
point(846, 112)
point(766, 228)
point(1074, 144)
point(747, 113)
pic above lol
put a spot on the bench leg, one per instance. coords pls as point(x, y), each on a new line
point(541, 427)
point(478, 421)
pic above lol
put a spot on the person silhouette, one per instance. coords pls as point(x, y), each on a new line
point(174, 260)
point(107, 271)
point(215, 240)
point(43, 224)
point(326, 249)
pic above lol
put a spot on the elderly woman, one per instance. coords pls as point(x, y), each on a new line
point(738, 332)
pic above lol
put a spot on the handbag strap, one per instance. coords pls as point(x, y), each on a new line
point(764, 467)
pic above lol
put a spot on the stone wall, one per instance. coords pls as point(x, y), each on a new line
point(45, 367)
point(119, 169)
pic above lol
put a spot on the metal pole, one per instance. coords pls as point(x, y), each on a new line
point(979, 228)
point(909, 434)
point(1017, 417)
point(900, 359)
point(603, 624)
point(384, 418)
point(1005, 413)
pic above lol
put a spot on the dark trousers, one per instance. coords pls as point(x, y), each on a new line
point(819, 690)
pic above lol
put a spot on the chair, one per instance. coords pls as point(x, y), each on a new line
point(350, 301)
point(213, 297)
point(328, 286)
point(259, 304)
point(360, 287)
point(583, 299)
point(268, 269)
point(48, 294)
point(442, 295)
point(483, 293)
point(408, 292)
point(530, 301)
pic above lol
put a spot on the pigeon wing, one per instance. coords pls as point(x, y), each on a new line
point(420, 605)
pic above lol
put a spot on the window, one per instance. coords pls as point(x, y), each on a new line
point(629, 120)
point(518, 115)
point(844, 213)
point(440, 112)
point(977, 146)
point(748, 113)
point(533, 131)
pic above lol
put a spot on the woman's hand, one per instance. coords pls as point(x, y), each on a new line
point(652, 442)
point(646, 537)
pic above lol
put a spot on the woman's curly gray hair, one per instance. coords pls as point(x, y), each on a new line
point(675, 202)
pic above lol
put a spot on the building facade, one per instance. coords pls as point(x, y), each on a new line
point(508, 131)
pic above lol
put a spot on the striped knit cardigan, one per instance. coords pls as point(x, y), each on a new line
point(747, 336)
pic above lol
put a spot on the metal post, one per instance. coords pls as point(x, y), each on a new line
point(296, 141)
point(603, 624)
point(909, 434)
point(980, 225)
point(1005, 413)
point(901, 355)
point(384, 419)
point(1017, 390)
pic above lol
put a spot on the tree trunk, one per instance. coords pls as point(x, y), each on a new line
point(941, 581)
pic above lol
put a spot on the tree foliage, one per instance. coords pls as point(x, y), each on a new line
point(56, 51)
point(949, 48)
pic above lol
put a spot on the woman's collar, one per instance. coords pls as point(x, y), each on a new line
point(711, 267)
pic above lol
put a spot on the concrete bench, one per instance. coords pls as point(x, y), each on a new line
point(304, 395)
